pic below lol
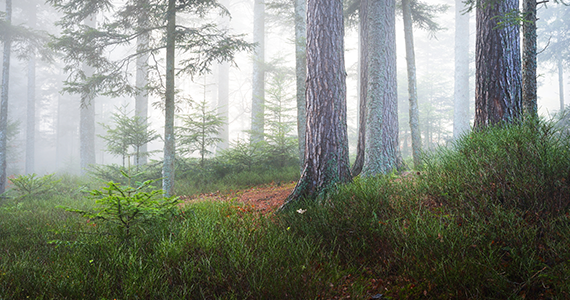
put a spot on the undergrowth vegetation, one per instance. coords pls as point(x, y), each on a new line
point(487, 218)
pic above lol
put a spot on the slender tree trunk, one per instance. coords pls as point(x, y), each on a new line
point(412, 87)
point(301, 73)
point(461, 85)
point(561, 83)
point(498, 83)
point(141, 98)
point(381, 153)
point(224, 91)
point(529, 86)
point(4, 99)
point(169, 145)
point(326, 144)
point(87, 120)
point(31, 105)
point(258, 92)
point(362, 88)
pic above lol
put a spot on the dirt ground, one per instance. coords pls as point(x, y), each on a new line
point(262, 198)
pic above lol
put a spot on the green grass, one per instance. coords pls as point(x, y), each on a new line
point(487, 218)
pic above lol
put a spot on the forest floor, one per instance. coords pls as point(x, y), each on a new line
point(265, 198)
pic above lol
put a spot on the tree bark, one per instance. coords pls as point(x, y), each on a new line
point(498, 83)
point(169, 145)
point(381, 153)
point(461, 85)
point(258, 88)
point(326, 143)
point(4, 99)
point(141, 98)
point(363, 86)
point(412, 86)
point(87, 120)
point(529, 86)
point(301, 73)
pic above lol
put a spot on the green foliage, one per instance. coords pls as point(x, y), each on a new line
point(32, 186)
point(200, 130)
point(129, 207)
point(128, 132)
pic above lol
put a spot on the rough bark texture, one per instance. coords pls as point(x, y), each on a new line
point(381, 153)
point(87, 121)
point(561, 83)
point(412, 86)
point(4, 100)
point(326, 151)
point(141, 99)
point(461, 85)
point(363, 86)
point(301, 73)
point(529, 86)
point(258, 87)
point(169, 146)
point(498, 83)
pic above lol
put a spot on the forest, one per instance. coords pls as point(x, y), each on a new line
point(284, 149)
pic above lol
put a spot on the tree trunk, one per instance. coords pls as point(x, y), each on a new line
point(4, 99)
point(169, 146)
point(529, 87)
point(326, 143)
point(363, 86)
point(141, 98)
point(498, 83)
point(301, 73)
point(461, 85)
point(381, 153)
point(224, 92)
point(258, 88)
point(412, 87)
point(561, 83)
point(31, 105)
point(87, 120)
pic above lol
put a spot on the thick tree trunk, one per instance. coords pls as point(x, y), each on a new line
point(87, 121)
point(141, 99)
point(258, 88)
point(412, 86)
point(529, 86)
point(169, 145)
point(498, 83)
point(362, 88)
point(4, 100)
point(31, 105)
point(381, 154)
point(461, 86)
point(326, 150)
point(561, 83)
point(301, 73)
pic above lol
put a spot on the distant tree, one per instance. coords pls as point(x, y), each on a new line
point(4, 95)
point(128, 136)
point(202, 45)
point(498, 82)
point(362, 86)
point(326, 149)
point(461, 83)
point(10, 34)
point(258, 84)
point(279, 121)
point(200, 130)
point(554, 39)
